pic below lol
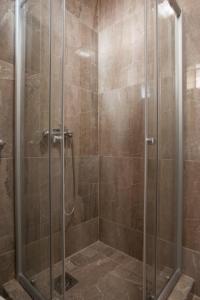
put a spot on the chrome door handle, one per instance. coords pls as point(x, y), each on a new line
point(150, 141)
point(69, 134)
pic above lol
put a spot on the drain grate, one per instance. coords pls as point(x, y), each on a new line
point(69, 283)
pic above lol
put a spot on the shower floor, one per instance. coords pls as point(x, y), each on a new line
point(102, 273)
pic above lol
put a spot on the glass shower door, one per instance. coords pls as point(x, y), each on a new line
point(163, 147)
point(40, 147)
point(167, 176)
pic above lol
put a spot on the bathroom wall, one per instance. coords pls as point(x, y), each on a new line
point(121, 124)
point(191, 212)
point(6, 133)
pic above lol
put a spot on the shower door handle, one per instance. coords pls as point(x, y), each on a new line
point(150, 141)
point(70, 144)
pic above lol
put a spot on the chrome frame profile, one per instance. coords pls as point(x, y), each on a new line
point(179, 131)
point(18, 97)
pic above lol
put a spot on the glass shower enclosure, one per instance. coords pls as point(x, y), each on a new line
point(98, 155)
point(163, 158)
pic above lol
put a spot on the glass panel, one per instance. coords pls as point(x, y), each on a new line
point(57, 145)
point(162, 157)
point(104, 108)
point(152, 151)
point(42, 138)
point(35, 171)
point(167, 137)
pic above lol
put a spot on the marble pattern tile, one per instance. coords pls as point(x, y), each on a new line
point(101, 271)
point(6, 206)
point(191, 205)
point(182, 288)
point(167, 214)
point(7, 263)
point(6, 70)
point(122, 122)
point(16, 291)
point(81, 235)
point(191, 125)
point(113, 11)
point(191, 267)
point(85, 10)
point(121, 237)
point(7, 116)
point(7, 18)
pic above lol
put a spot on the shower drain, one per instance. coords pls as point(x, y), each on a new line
point(70, 281)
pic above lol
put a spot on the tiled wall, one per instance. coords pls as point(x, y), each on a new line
point(6, 133)
point(191, 213)
point(121, 124)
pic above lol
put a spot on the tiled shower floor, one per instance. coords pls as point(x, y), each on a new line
point(103, 273)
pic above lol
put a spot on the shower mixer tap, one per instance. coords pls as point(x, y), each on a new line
point(56, 134)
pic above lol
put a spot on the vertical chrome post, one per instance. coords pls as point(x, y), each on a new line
point(179, 113)
point(63, 151)
point(146, 153)
point(50, 156)
point(19, 95)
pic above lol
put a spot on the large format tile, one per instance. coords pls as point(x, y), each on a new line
point(191, 267)
point(191, 205)
point(123, 238)
point(101, 271)
point(86, 11)
point(6, 206)
point(7, 266)
point(81, 235)
point(7, 18)
point(122, 122)
point(7, 116)
point(15, 290)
